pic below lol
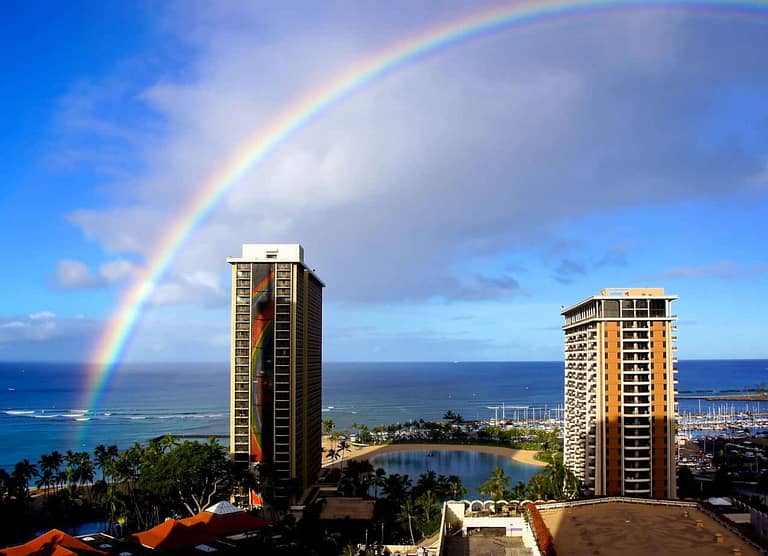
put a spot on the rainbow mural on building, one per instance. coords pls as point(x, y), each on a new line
point(315, 102)
point(262, 361)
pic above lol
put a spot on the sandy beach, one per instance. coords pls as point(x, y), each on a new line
point(361, 452)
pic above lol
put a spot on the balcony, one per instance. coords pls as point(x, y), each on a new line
point(635, 369)
point(636, 491)
point(635, 389)
point(636, 458)
point(637, 447)
point(637, 479)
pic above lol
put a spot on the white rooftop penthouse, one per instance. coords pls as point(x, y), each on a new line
point(270, 252)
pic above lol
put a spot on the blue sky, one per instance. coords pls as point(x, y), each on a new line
point(451, 207)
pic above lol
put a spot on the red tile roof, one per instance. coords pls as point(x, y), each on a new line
point(53, 543)
point(222, 525)
point(172, 535)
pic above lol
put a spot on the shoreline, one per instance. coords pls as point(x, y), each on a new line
point(527, 457)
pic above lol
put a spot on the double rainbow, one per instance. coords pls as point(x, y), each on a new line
point(260, 145)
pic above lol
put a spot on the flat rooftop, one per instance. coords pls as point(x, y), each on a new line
point(483, 545)
point(638, 529)
point(347, 508)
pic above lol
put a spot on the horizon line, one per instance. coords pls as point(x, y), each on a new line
point(403, 361)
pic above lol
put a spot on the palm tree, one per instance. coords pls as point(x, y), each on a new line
point(331, 455)
point(56, 461)
point(47, 477)
point(407, 510)
point(349, 550)
point(496, 485)
point(328, 426)
point(105, 460)
point(455, 487)
point(378, 480)
point(5, 485)
point(364, 434)
point(427, 481)
point(359, 473)
point(342, 448)
point(87, 471)
point(22, 473)
point(397, 487)
point(80, 468)
point(562, 482)
point(518, 491)
point(72, 472)
point(429, 505)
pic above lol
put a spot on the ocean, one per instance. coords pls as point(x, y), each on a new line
point(39, 402)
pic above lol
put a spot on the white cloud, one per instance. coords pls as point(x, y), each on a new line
point(42, 315)
point(75, 275)
point(117, 270)
point(199, 287)
point(479, 149)
point(34, 329)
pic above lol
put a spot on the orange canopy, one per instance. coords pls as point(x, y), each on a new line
point(53, 543)
point(173, 534)
point(222, 525)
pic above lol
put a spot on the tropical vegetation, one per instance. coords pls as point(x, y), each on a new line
point(132, 489)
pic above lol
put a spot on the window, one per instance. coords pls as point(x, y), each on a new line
point(611, 308)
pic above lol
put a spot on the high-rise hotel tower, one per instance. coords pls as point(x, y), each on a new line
point(620, 393)
point(276, 375)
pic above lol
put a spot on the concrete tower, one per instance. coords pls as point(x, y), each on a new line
point(276, 369)
point(620, 392)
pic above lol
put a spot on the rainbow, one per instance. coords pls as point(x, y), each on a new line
point(122, 323)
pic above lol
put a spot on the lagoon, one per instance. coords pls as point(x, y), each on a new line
point(472, 467)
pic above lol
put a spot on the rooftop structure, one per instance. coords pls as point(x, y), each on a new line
point(634, 527)
point(484, 527)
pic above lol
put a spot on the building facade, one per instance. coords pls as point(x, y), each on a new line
point(276, 369)
point(620, 393)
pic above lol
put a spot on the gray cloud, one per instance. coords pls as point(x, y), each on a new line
point(482, 149)
point(462, 317)
point(567, 271)
point(615, 256)
point(479, 287)
point(45, 336)
point(723, 271)
point(420, 345)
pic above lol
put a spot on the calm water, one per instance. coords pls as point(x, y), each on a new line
point(474, 468)
point(40, 407)
point(40, 403)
